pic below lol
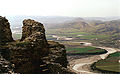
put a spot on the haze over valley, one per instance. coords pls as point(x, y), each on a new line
point(60, 37)
point(95, 29)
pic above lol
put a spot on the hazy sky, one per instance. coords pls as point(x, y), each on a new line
point(81, 8)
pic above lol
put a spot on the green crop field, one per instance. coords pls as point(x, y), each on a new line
point(111, 63)
point(74, 33)
point(77, 33)
point(117, 54)
point(85, 50)
point(95, 36)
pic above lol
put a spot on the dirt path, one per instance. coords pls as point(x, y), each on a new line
point(82, 66)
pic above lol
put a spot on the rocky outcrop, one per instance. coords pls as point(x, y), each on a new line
point(30, 27)
point(33, 54)
point(5, 32)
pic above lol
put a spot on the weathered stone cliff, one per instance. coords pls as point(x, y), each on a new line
point(33, 54)
point(5, 32)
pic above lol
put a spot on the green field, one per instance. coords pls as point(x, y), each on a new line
point(103, 39)
point(95, 36)
point(65, 32)
point(85, 50)
point(110, 64)
point(117, 54)
point(74, 33)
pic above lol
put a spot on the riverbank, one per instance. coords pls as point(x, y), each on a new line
point(82, 65)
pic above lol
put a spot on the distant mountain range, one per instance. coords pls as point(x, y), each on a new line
point(87, 24)
point(94, 26)
point(109, 26)
point(17, 20)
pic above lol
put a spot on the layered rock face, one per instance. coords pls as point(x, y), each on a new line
point(33, 54)
point(5, 32)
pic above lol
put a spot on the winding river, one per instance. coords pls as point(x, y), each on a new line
point(81, 66)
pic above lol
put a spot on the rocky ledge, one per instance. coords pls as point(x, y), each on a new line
point(32, 54)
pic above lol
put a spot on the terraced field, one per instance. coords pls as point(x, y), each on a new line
point(110, 64)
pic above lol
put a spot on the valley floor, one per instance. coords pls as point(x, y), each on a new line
point(82, 65)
